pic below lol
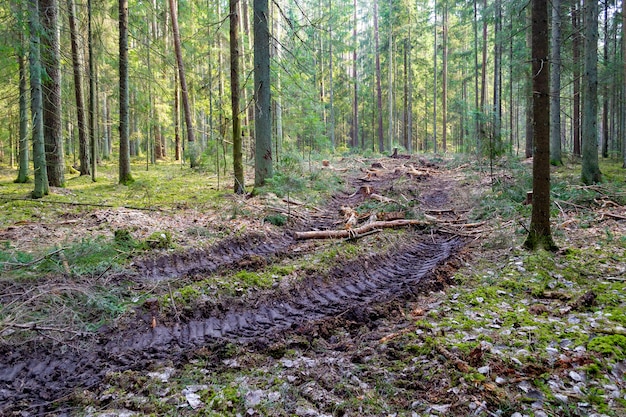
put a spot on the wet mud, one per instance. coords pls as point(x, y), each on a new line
point(35, 381)
point(42, 380)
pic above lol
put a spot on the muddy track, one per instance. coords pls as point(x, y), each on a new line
point(37, 381)
point(232, 253)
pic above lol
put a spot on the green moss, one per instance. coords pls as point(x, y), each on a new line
point(610, 345)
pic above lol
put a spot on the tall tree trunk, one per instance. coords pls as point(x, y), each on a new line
point(36, 103)
point(264, 168)
point(410, 99)
point(590, 168)
point(555, 85)
point(624, 81)
point(83, 144)
point(355, 99)
point(191, 137)
point(576, 124)
point(405, 98)
point(496, 136)
point(125, 176)
point(605, 95)
point(390, 69)
point(477, 123)
point(483, 73)
point(176, 117)
point(379, 91)
point(539, 235)
point(93, 144)
point(529, 97)
point(22, 175)
point(331, 86)
point(51, 92)
point(239, 186)
point(435, 80)
point(444, 79)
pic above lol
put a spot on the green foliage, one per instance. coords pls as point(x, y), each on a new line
point(611, 345)
point(276, 219)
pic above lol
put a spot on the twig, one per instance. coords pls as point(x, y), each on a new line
point(14, 266)
point(69, 203)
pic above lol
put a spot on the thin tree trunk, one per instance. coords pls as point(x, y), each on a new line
point(477, 123)
point(22, 175)
point(444, 79)
point(590, 168)
point(191, 138)
point(51, 92)
point(529, 96)
point(497, 79)
point(576, 125)
point(623, 113)
point(83, 144)
point(36, 104)
point(176, 116)
point(435, 81)
point(605, 95)
point(331, 87)
point(239, 186)
point(555, 85)
point(390, 77)
point(92, 94)
point(355, 99)
point(539, 235)
point(405, 99)
point(125, 176)
point(379, 91)
point(263, 120)
point(410, 99)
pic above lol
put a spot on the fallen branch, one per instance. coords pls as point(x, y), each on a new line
point(69, 203)
point(13, 266)
point(354, 233)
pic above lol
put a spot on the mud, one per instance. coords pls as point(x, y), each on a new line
point(37, 383)
point(39, 380)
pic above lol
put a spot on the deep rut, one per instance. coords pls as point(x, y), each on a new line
point(34, 384)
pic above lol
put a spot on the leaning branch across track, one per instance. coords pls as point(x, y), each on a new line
point(356, 232)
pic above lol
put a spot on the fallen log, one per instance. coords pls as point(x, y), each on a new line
point(356, 232)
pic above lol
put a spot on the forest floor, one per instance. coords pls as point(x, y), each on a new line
point(172, 297)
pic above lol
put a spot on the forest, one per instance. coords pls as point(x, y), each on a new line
point(312, 208)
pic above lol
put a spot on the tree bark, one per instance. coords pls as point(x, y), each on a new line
point(83, 147)
point(605, 95)
point(353, 233)
point(590, 168)
point(36, 103)
point(263, 119)
point(576, 125)
point(125, 176)
point(22, 175)
point(239, 186)
point(93, 143)
point(191, 137)
point(444, 80)
point(355, 98)
point(555, 85)
point(379, 91)
point(539, 235)
point(435, 80)
point(51, 92)
point(529, 149)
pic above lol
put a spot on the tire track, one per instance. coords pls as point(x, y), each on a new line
point(33, 384)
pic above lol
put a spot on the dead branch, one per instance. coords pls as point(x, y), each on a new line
point(13, 266)
point(353, 233)
point(70, 203)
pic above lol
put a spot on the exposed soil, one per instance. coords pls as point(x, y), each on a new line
point(38, 380)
